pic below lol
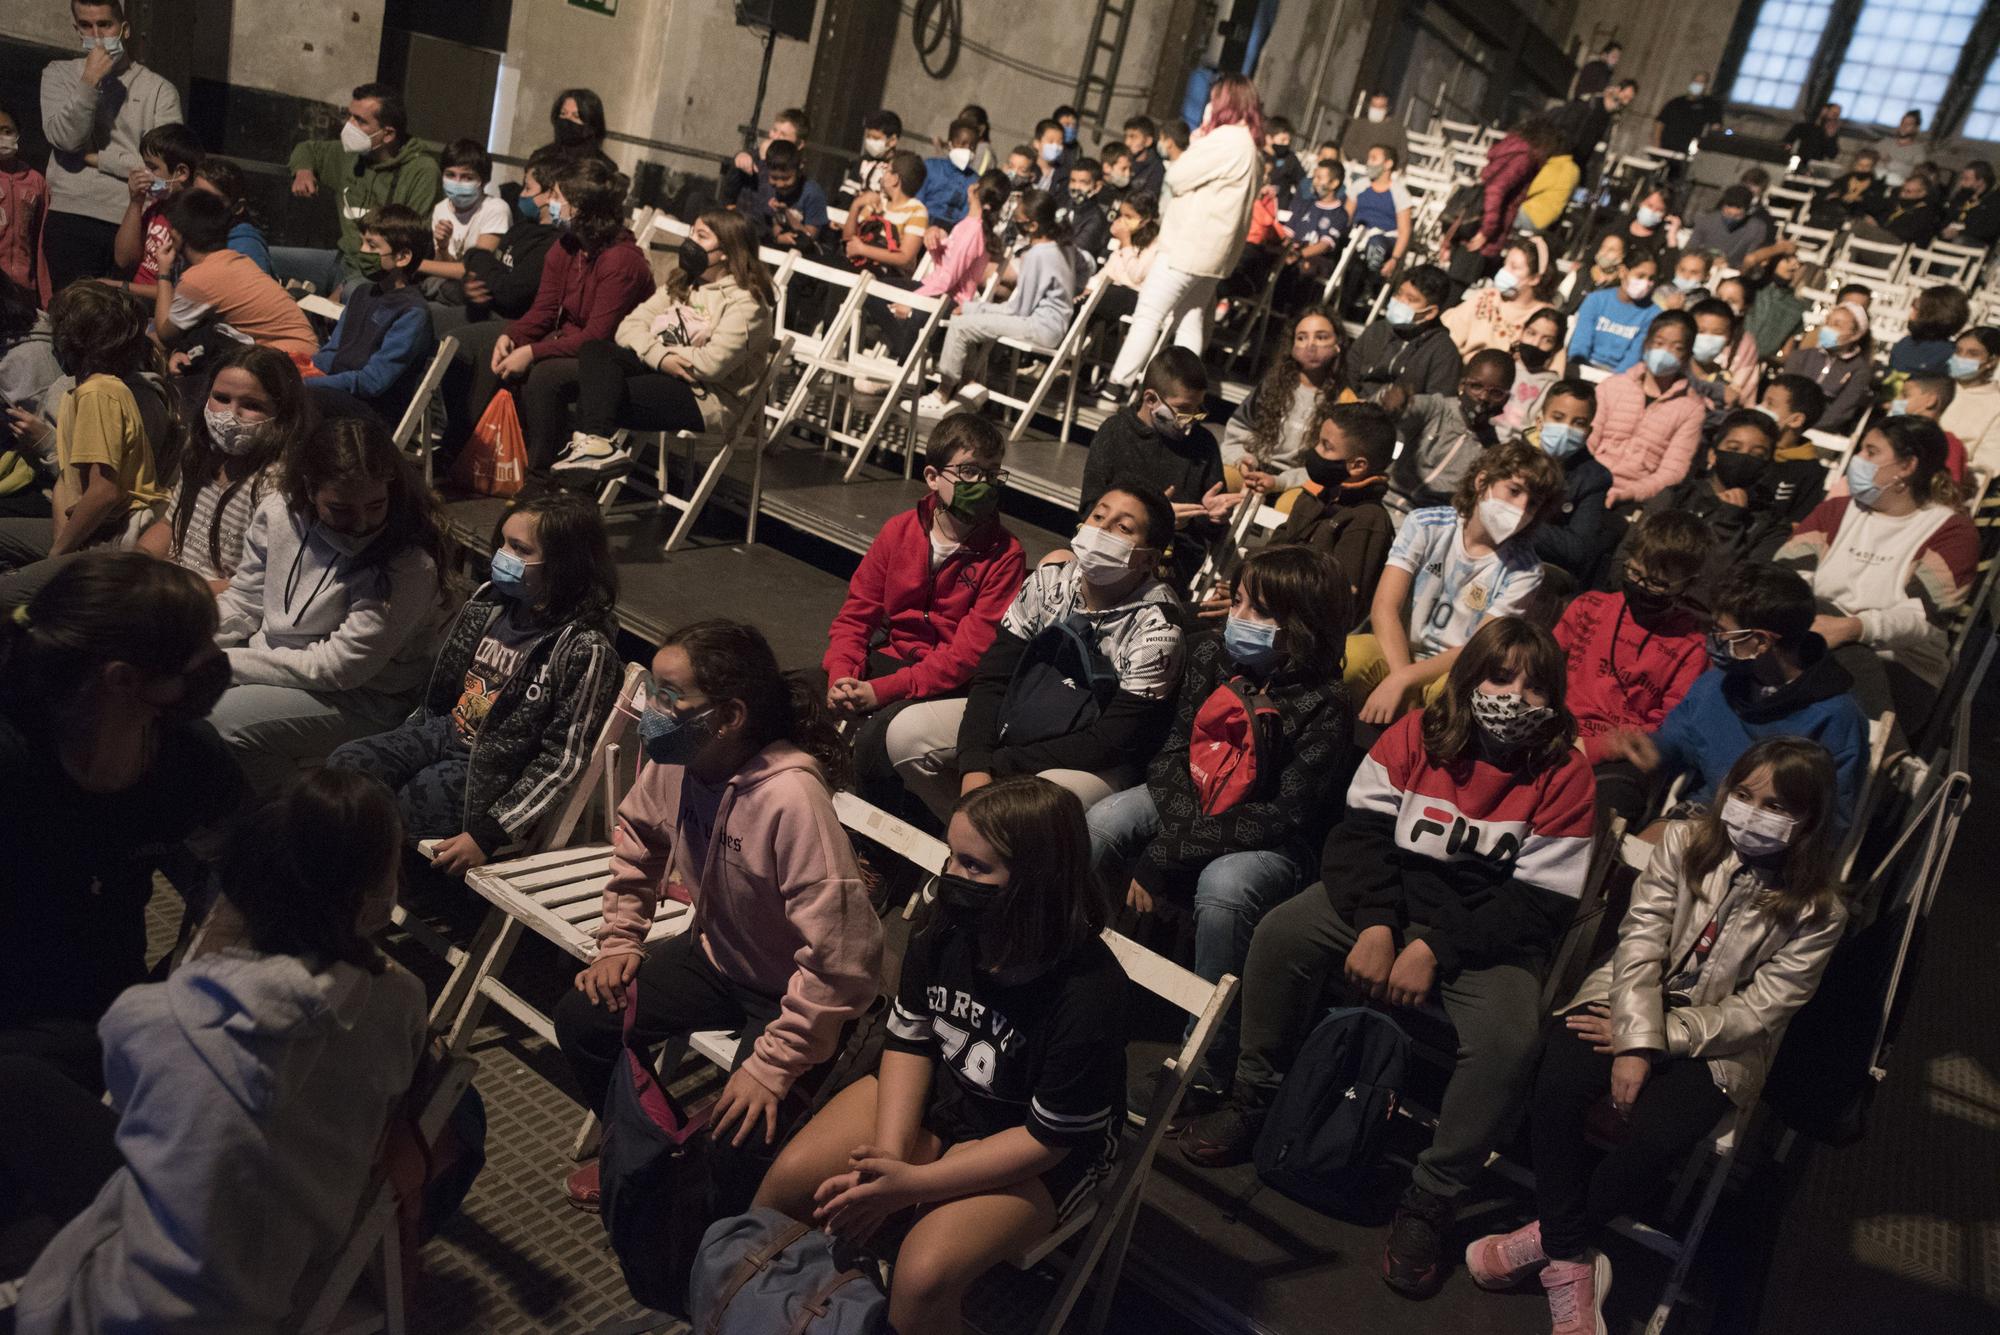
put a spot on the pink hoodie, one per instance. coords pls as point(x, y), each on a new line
point(1646, 443)
point(778, 903)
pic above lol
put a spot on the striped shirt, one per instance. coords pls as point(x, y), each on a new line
point(193, 553)
point(1452, 591)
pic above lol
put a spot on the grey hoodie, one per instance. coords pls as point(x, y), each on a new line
point(252, 1096)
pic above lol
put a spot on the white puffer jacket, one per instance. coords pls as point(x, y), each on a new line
point(1214, 185)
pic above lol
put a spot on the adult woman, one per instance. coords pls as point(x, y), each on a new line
point(1510, 169)
point(576, 119)
point(686, 358)
point(1265, 445)
point(1649, 418)
point(1974, 414)
point(1893, 559)
point(1650, 223)
point(1214, 185)
point(104, 769)
point(1493, 317)
point(1840, 364)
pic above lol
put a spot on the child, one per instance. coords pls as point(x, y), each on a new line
point(1724, 497)
point(1936, 316)
point(1974, 415)
point(1268, 438)
point(1450, 569)
point(896, 256)
point(117, 432)
point(1729, 932)
point(171, 153)
point(1648, 421)
point(1136, 229)
point(1105, 590)
point(1013, 962)
point(518, 694)
point(330, 619)
point(1409, 345)
point(1538, 363)
point(1606, 262)
point(1444, 435)
point(733, 813)
point(1612, 322)
point(503, 282)
point(1777, 314)
point(1117, 163)
point(466, 219)
point(1771, 676)
point(1689, 283)
point(1050, 152)
point(1341, 509)
point(1319, 230)
point(881, 134)
point(278, 1059)
point(1496, 316)
point(1633, 654)
point(1410, 912)
point(1576, 533)
point(383, 342)
point(1384, 206)
point(947, 178)
point(224, 179)
point(1841, 363)
point(1149, 174)
point(26, 192)
point(1713, 368)
point(785, 206)
point(1289, 615)
point(1040, 309)
point(1796, 480)
point(255, 415)
point(1929, 396)
point(1083, 210)
point(217, 286)
point(933, 587)
point(1158, 441)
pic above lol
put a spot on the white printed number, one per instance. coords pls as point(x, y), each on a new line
point(979, 1058)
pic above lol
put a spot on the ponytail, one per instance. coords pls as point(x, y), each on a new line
point(814, 731)
point(733, 661)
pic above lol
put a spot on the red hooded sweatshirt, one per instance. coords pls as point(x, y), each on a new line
point(1622, 675)
point(1510, 169)
point(583, 297)
point(938, 621)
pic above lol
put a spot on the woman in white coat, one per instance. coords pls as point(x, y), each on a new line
point(1214, 185)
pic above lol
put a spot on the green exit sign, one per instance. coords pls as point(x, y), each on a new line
point(596, 6)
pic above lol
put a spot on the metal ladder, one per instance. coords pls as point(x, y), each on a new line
point(1101, 57)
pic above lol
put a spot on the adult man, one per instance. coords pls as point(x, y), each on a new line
point(1586, 122)
point(1911, 215)
point(1733, 229)
point(1972, 217)
point(1858, 194)
point(1370, 128)
point(1817, 140)
point(1688, 117)
point(374, 162)
point(1595, 76)
point(94, 112)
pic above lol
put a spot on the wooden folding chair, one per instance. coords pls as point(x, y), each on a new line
point(414, 430)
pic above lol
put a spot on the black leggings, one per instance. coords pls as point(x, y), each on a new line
point(615, 389)
point(58, 1148)
point(1677, 1107)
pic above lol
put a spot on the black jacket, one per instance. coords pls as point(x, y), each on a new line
point(1353, 527)
point(1127, 450)
point(1978, 215)
point(513, 273)
point(1575, 535)
point(1424, 362)
point(1821, 678)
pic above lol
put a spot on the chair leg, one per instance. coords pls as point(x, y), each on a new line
point(1109, 1267)
point(702, 491)
point(479, 965)
point(1690, 1244)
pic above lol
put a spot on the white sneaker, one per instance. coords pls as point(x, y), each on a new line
point(972, 395)
point(870, 389)
point(588, 454)
point(934, 406)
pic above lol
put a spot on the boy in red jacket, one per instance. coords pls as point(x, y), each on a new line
point(928, 597)
point(1633, 654)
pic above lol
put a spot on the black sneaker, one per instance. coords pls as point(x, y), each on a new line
point(1224, 1138)
point(1413, 1261)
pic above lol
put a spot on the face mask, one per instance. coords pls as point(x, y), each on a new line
point(1051, 152)
point(1399, 313)
point(1378, 114)
point(874, 146)
point(1104, 557)
point(557, 215)
point(571, 133)
point(1118, 180)
point(1647, 604)
point(1324, 472)
point(1733, 223)
point(1961, 368)
point(1163, 420)
point(961, 158)
point(1638, 289)
point(973, 502)
point(1899, 408)
point(1662, 363)
point(1069, 134)
point(156, 188)
point(349, 544)
point(1279, 152)
point(230, 433)
point(1829, 337)
point(462, 193)
point(1505, 283)
point(508, 574)
point(1476, 410)
point(355, 139)
point(1560, 439)
point(1685, 284)
point(1500, 519)
point(963, 895)
point(669, 739)
point(1861, 480)
point(1755, 832)
point(1606, 261)
point(1251, 644)
point(1707, 347)
point(1508, 719)
point(1377, 170)
point(1021, 180)
point(204, 687)
point(113, 46)
point(1078, 198)
point(1697, 88)
point(1649, 217)
point(527, 209)
point(10, 144)
point(1739, 470)
point(1723, 657)
point(694, 258)
point(1534, 358)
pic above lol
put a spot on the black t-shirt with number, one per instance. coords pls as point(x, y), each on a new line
point(1047, 1053)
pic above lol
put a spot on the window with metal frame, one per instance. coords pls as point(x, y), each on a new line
point(1901, 58)
point(1778, 58)
point(1983, 121)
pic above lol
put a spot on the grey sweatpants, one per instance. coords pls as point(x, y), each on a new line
point(1300, 950)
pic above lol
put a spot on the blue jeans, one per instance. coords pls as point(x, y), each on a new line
point(1231, 894)
point(322, 268)
point(420, 759)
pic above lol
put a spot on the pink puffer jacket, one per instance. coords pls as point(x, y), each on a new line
point(1646, 443)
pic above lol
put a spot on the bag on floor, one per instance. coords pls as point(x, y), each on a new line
point(1233, 747)
point(1323, 1136)
point(1060, 686)
point(494, 461)
point(763, 1273)
point(656, 1186)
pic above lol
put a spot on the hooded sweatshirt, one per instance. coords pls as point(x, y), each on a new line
point(1423, 361)
point(1622, 675)
point(252, 1094)
point(299, 613)
point(359, 185)
point(582, 296)
point(779, 906)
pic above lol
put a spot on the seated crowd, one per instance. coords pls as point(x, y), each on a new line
point(1538, 559)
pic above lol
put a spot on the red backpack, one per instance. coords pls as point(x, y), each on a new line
point(1234, 745)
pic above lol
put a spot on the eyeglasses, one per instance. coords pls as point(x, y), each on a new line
point(974, 473)
point(1186, 419)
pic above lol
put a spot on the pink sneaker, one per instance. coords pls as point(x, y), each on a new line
point(1502, 1260)
point(1576, 1294)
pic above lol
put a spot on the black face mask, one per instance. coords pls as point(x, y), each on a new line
point(693, 258)
point(205, 686)
point(570, 134)
point(1279, 152)
point(1648, 605)
point(963, 895)
point(1739, 470)
point(1325, 472)
point(1534, 358)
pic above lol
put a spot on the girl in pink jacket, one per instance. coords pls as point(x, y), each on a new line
point(1649, 417)
point(733, 814)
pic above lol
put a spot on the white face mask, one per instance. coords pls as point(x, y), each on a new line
point(1755, 832)
point(874, 146)
point(10, 144)
point(1500, 519)
point(355, 139)
point(230, 433)
point(961, 158)
point(1378, 114)
point(1103, 556)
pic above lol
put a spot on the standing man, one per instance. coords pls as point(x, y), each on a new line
point(94, 112)
point(1595, 76)
point(1686, 118)
point(374, 162)
point(1586, 122)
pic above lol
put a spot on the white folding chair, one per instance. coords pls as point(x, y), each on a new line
point(415, 427)
point(1064, 361)
point(1815, 243)
point(1861, 260)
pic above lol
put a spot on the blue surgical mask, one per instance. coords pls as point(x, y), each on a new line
point(557, 214)
point(673, 739)
point(113, 46)
point(157, 189)
point(1899, 408)
point(1251, 644)
point(1560, 439)
point(1961, 368)
point(1650, 217)
point(1707, 347)
point(462, 193)
point(1662, 363)
point(508, 574)
point(1051, 152)
point(1399, 312)
point(1685, 284)
point(1861, 483)
point(1829, 337)
point(527, 209)
point(1505, 283)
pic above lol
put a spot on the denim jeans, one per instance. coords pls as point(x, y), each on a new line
point(322, 268)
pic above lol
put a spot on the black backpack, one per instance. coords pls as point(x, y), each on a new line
point(1323, 1135)
point(1060, 686)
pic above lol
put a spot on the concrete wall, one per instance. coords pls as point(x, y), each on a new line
point(313, 51)
point(1665, 47)
point(1309, 67)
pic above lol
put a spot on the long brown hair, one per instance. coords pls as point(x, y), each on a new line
point(349, 449)
point(733, 661)
point(1802, 775)
point(1055, 901)
point(1306, 592)
point(739, 256)
point(579, 576)
point(595, 193)
point(1273, 398)
point(1500, 647)
point(291, 420)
